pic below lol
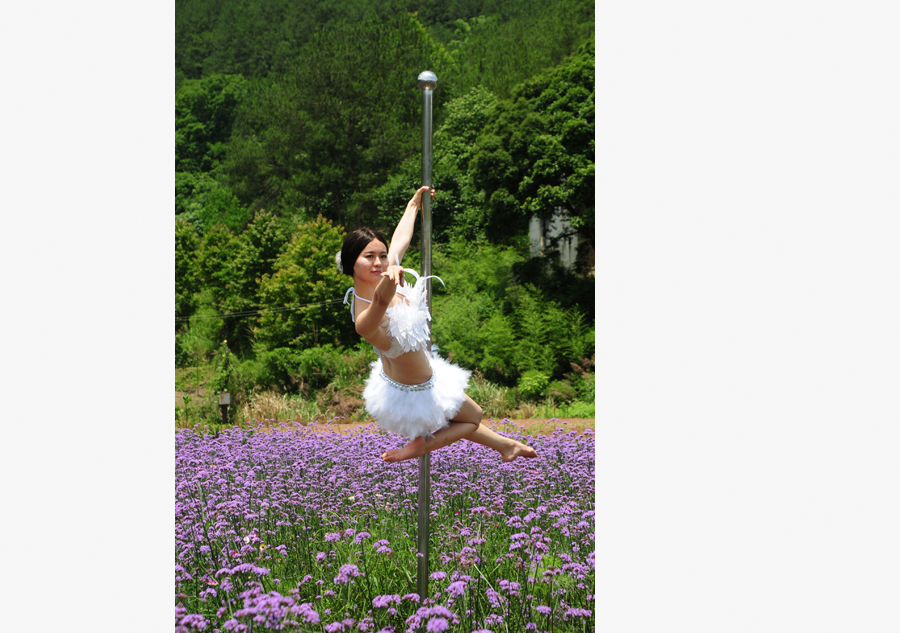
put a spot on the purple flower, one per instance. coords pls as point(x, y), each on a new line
point(270, 486)
point(305, 609)
point(345, 573)
point(436, 625)
point(385, 601)
point(574, 612)
point(438, 575)
point(493, 618)
point(456, 589)
point(545, 610)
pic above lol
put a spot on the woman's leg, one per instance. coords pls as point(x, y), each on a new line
point(508, 448)
point(466, 424)
point(454, 432)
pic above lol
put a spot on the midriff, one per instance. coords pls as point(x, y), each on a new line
point(411, 368)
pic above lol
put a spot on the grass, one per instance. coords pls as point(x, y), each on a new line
point(340, 399)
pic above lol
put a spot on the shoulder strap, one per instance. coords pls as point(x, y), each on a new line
point(350, 302)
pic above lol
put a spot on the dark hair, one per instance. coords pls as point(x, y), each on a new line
point(354, 244)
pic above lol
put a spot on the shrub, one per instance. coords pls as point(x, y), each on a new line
point(221, 382)
point(581, 409)
point(305, 291)
point(533, 384)
point(561, 390)
point(494, 400)
point(584, 387)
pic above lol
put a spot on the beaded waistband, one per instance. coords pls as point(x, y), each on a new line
point(425, 386)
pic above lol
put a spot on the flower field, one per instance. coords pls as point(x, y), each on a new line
point(302, 528)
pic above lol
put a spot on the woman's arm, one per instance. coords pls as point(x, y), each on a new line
point(370, 318)
point(404, 231)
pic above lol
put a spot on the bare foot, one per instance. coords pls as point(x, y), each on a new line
point(416, 448)
point(517, 449)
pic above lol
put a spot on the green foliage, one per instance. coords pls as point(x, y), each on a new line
point(537, 156)
point(187, 283)
point(534, 332)
point(309, 108)
point(220, 206)
point(257, 38)
point(496, 401)
point(533, 384)
point(561, 390)
point(486, 321)
point(255, 256)
point(204, 113)
point(305, 277)
point(224, 370)
point(199, 340)
point(509, 41)
point(548, 336)
point(584, 387)
point(306, 370)
point(470, 323)
point(555, 282)
point(581, 409)
point(323, 136)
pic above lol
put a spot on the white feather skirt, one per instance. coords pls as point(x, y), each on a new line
point(416, 410)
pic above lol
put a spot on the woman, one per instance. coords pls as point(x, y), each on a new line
point(409, 392)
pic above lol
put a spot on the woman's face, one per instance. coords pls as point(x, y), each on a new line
point(372, 261)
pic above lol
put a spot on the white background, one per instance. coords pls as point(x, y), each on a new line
point(747, 314)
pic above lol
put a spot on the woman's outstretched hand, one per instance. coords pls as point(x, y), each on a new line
point(396, 275)
point(417, 197)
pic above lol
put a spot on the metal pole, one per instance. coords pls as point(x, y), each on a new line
point(427, 83)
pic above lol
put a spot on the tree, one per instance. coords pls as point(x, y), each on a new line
point(204, 115)
point(510, 41)
point(187, 241)
point(321, 138)
point(457, 209)
point(303, 296)
point(537, 156)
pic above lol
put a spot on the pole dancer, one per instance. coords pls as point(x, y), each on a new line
point(409, 391)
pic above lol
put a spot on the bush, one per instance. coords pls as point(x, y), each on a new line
point(494, 400)
point(581, 409)
point(561, 390)
point(584, 387)
point(533, 384)
point(313, 368)
point(303, 295)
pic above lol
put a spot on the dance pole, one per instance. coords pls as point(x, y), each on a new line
point(427, 83)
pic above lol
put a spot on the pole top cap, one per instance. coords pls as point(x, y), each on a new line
point(427, 80)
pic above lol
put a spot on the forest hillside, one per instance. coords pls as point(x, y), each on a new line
point(298, 121)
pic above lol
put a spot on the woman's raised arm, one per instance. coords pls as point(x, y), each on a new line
point(404, 231)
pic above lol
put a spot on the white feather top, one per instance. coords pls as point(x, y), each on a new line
point(406, 321)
